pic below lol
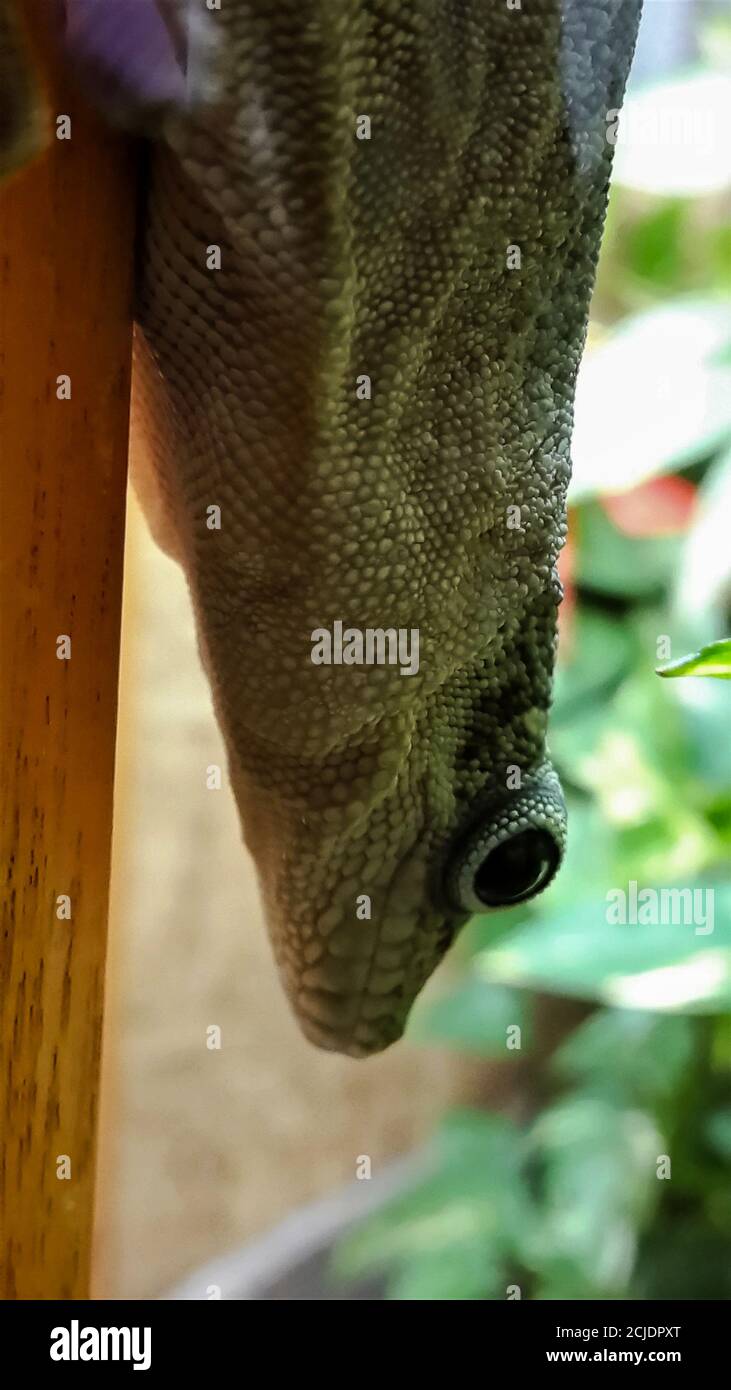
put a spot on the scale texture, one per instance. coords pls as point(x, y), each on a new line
point(450, 259)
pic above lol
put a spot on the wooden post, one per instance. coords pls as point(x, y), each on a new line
point(66, 254)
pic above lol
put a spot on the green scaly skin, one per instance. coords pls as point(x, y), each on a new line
point(389, 257)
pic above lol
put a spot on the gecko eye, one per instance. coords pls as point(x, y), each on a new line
point(517, 868)
point(512, 852)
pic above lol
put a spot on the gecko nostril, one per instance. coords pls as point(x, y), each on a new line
point(512, 848)
point(517, 868)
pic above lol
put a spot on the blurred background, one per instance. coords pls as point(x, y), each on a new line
point(564, 1087)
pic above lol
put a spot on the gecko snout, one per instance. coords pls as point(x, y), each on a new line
point(512, 850)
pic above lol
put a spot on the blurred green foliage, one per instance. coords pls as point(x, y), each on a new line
point(605, 1174)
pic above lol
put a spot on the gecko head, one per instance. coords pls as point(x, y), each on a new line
point(382, 811)
point(436, 801)
point(363, 898)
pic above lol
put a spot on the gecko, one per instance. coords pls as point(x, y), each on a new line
point(368, 240)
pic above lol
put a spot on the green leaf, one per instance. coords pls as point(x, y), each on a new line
point(640, 1057)
point(712, 660)
point(599, 1184)
point(474, 1017)
point(664, 967)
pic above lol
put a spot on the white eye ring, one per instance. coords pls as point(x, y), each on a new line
point(512, 851)
point(507, 869)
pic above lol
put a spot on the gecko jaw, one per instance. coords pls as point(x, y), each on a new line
point(358, 1000)
point(353, 980)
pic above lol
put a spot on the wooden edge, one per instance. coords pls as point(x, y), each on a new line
point(66, 267)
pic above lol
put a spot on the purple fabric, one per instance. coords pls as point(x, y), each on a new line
point(124, 45)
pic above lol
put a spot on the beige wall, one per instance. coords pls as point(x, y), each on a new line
point(201, 1149)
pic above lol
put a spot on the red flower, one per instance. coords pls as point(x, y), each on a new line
point(660, 507)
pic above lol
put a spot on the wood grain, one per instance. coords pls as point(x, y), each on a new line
point(66, 253)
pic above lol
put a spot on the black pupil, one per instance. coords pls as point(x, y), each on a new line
point(517, 868)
